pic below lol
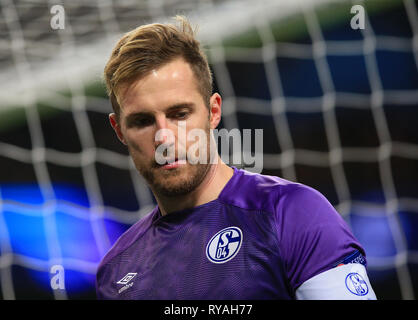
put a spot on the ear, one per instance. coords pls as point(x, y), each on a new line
point(215, 110)
point(116, 126)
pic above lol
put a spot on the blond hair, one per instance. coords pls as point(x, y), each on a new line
point(150, 46)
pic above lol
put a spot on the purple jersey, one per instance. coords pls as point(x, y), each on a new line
point(260, 239)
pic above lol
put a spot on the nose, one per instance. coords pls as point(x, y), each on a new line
point(160, 122)
point(163, 135)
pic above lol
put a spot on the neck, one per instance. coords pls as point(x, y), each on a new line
point(209, 189)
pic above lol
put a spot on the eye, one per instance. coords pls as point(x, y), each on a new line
point(180, 115)
point(143, 122)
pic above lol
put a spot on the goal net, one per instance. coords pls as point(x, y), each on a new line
point(338, 106)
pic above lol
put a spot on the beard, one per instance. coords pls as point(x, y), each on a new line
point(177, 181)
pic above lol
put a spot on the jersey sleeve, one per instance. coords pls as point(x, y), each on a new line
point(313, 237)
point(345, 282)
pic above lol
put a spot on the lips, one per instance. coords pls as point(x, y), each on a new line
point(173, 163)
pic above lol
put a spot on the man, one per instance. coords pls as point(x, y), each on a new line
point(217, 232)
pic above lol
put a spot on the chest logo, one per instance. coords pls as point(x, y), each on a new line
point(224, 245)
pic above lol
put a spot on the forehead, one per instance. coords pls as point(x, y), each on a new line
point(169, 84)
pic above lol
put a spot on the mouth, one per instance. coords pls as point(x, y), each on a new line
point(173, 164)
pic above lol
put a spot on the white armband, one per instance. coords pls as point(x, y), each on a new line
point(347, 282)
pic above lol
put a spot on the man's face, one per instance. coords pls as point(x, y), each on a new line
point(164, 100)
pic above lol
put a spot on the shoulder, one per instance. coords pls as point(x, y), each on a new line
point(312, 236)
point(254, 191)
point(128, 238)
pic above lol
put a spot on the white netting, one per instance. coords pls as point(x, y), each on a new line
point(56, 67)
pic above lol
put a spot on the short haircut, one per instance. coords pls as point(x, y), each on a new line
point(150, 46)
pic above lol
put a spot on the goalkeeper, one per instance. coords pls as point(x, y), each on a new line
point(217, 232)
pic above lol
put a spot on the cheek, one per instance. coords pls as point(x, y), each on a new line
point(140, 145)
point(193, 140)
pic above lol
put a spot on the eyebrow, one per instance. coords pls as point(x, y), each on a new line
point(130, 118)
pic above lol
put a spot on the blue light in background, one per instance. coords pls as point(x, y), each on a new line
point(24, 210)
point(373, 231)
point(26, 231)
point(22, 193)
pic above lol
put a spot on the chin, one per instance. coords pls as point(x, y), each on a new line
point(178, 181)
point(176, 187)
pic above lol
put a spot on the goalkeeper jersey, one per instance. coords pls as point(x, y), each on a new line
point(261, 238)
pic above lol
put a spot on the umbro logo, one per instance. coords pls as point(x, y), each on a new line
point(125, 280)
point(129, 276)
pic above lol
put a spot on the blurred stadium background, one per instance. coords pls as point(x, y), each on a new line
point(339, 109)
